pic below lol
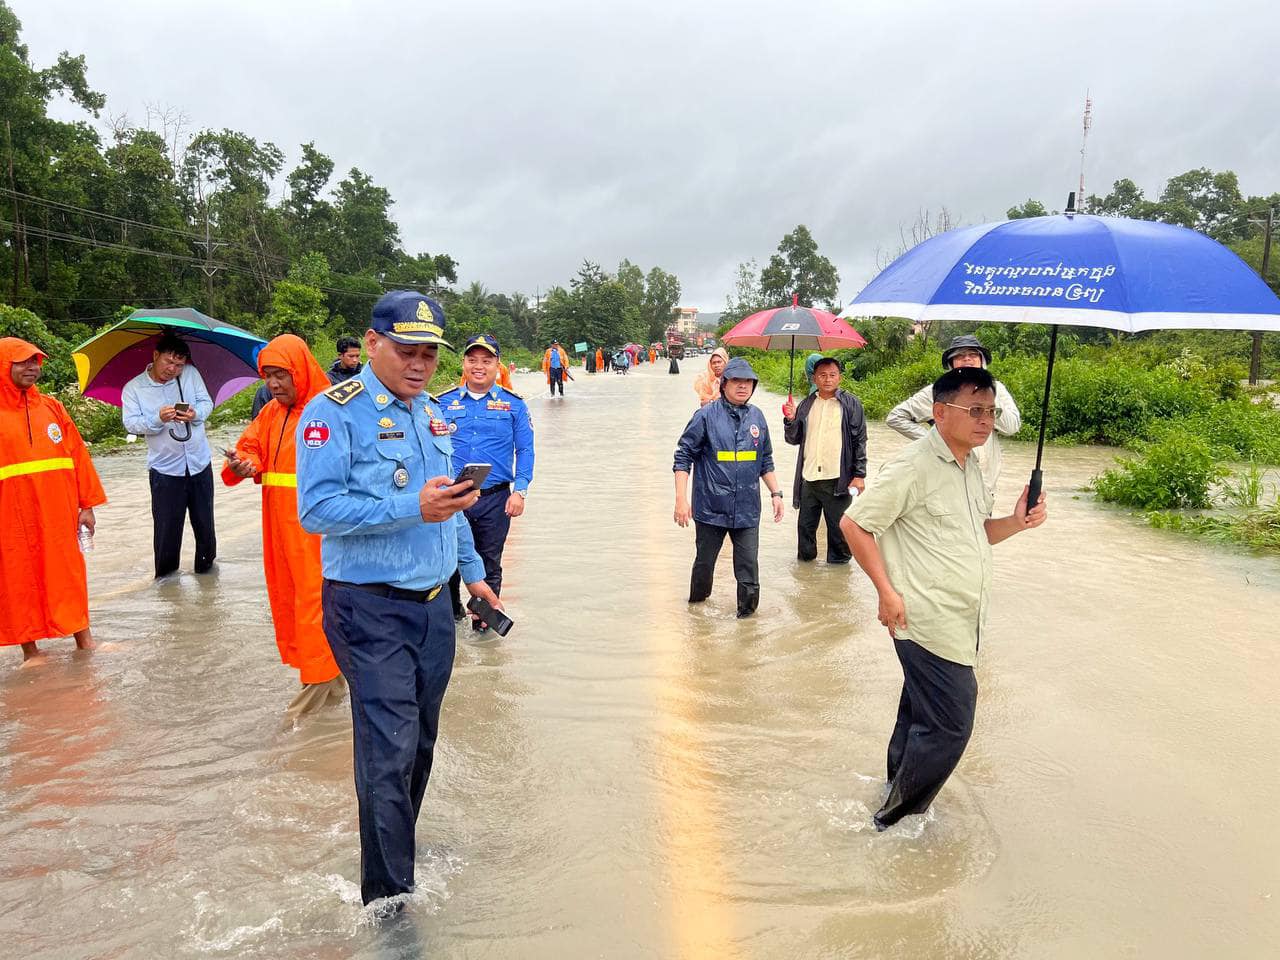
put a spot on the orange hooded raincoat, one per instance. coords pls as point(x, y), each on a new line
point(546, 363)
point(707, 384)
point(290, 555)
point(46, 479)
point(599, 360)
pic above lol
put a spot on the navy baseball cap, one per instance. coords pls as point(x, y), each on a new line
point(406, 316)
point(486, 340)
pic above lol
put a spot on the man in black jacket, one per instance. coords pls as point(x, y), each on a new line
point(831, 431)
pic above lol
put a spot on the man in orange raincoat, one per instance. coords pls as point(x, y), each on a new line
point(48, 489)
point(555, 365)
point(599, 360)
point(290, 555)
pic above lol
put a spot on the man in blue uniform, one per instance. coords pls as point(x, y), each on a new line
point(726, 445)
point(489, 424)
point(374, 478)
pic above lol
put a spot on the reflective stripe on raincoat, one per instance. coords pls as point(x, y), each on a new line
point(290, 555)
point(46, 479)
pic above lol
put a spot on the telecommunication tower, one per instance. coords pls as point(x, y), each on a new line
point(1084, 142)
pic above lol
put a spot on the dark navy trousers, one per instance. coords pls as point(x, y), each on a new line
point(935, 719)
point(489, 528)
point(397, 656)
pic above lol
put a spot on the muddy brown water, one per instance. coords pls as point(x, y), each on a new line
point(624, 776)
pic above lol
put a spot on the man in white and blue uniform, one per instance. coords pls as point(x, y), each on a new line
point(178, 455)
point(374, 478)
point(489, 424)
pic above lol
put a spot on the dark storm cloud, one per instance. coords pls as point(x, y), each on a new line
point(522, 138)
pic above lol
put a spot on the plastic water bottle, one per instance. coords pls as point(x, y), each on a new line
point(86, 539)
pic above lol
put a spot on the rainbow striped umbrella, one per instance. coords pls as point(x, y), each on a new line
point(225, 355)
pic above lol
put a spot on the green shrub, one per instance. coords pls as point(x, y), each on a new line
point(1174, 471)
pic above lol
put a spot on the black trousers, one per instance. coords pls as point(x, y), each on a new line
point(556, 375)
point(935, 719)
point(489, 528)
point(819, 498)
point(746, 567)
point(397, 657)
point(172, 499)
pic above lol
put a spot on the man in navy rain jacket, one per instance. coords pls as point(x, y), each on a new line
point(727, 447)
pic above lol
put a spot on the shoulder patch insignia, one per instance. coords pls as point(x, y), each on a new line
point(342, 393)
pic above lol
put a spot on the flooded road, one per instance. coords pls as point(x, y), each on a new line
point(625, 776)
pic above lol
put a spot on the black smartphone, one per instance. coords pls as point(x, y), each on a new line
point(181, 407)
point(477, 473)
point(496, 619)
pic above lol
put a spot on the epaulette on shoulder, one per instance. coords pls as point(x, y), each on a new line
point(342, 393)
point(510, 391)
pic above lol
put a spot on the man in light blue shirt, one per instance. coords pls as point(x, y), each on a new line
point(168, 404)
point(375, 463)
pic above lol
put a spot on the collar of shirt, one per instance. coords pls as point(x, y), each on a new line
point(380, 395)
point(493, 393)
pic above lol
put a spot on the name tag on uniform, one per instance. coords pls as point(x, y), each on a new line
point(439, 428)
point(391, 435)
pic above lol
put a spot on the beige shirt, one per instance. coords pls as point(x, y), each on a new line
point(823, 442)
point(911, 419)
point(928, 516)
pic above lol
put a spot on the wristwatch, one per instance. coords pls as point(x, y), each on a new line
point(776, 493)
point(522, 494)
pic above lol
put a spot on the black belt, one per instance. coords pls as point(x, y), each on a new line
point(393, 593)
point(496, 488)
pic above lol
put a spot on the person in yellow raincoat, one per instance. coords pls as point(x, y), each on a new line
point(48, 489)
point(266, 452)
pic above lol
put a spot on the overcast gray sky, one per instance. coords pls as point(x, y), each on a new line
point(523, 137)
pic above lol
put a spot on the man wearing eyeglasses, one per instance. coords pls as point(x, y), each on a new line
point(922, 533)
point(912, 416)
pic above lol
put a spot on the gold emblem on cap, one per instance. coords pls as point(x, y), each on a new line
point(382, 398)
point(386, 423)
point(424, 311)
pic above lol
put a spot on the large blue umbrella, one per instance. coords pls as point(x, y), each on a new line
point(1073, 269)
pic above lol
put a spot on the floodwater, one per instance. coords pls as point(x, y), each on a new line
point(625, 776)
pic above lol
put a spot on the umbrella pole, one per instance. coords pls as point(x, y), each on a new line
point(791, 372)
point(1037, 478)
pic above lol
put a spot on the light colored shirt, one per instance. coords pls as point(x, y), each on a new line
point(141, 401)
point(363, 456)
point(823, 440)
point(912, 418)
point(928, 515)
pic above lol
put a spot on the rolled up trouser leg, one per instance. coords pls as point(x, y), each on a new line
point(746, 568)
point(381, 645)
point(943, 697)
point(709, 539)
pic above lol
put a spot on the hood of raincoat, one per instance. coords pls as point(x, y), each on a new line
point(965, 342)
point(739, 369)
point(811, 364)
point(291, 353)
point(13, 350)
point(717, 352)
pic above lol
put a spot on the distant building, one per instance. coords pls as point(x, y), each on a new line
point(686, 319)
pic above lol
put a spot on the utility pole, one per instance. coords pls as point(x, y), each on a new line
point(208, 267)
point(1255, 355)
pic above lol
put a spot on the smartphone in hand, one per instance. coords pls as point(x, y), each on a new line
point(181, 407)
point(477, 473)
point(498, 620)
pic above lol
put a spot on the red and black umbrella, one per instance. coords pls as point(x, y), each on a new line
point(793, 328)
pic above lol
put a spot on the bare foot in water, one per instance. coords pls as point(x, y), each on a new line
point(32, 656)
point(84, 640)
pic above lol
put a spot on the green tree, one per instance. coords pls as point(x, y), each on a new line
point(661, 297)
point(798, 270)
point(1032, 208)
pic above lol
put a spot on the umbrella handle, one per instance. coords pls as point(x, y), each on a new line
point(185, 426)
point(1034, 487)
